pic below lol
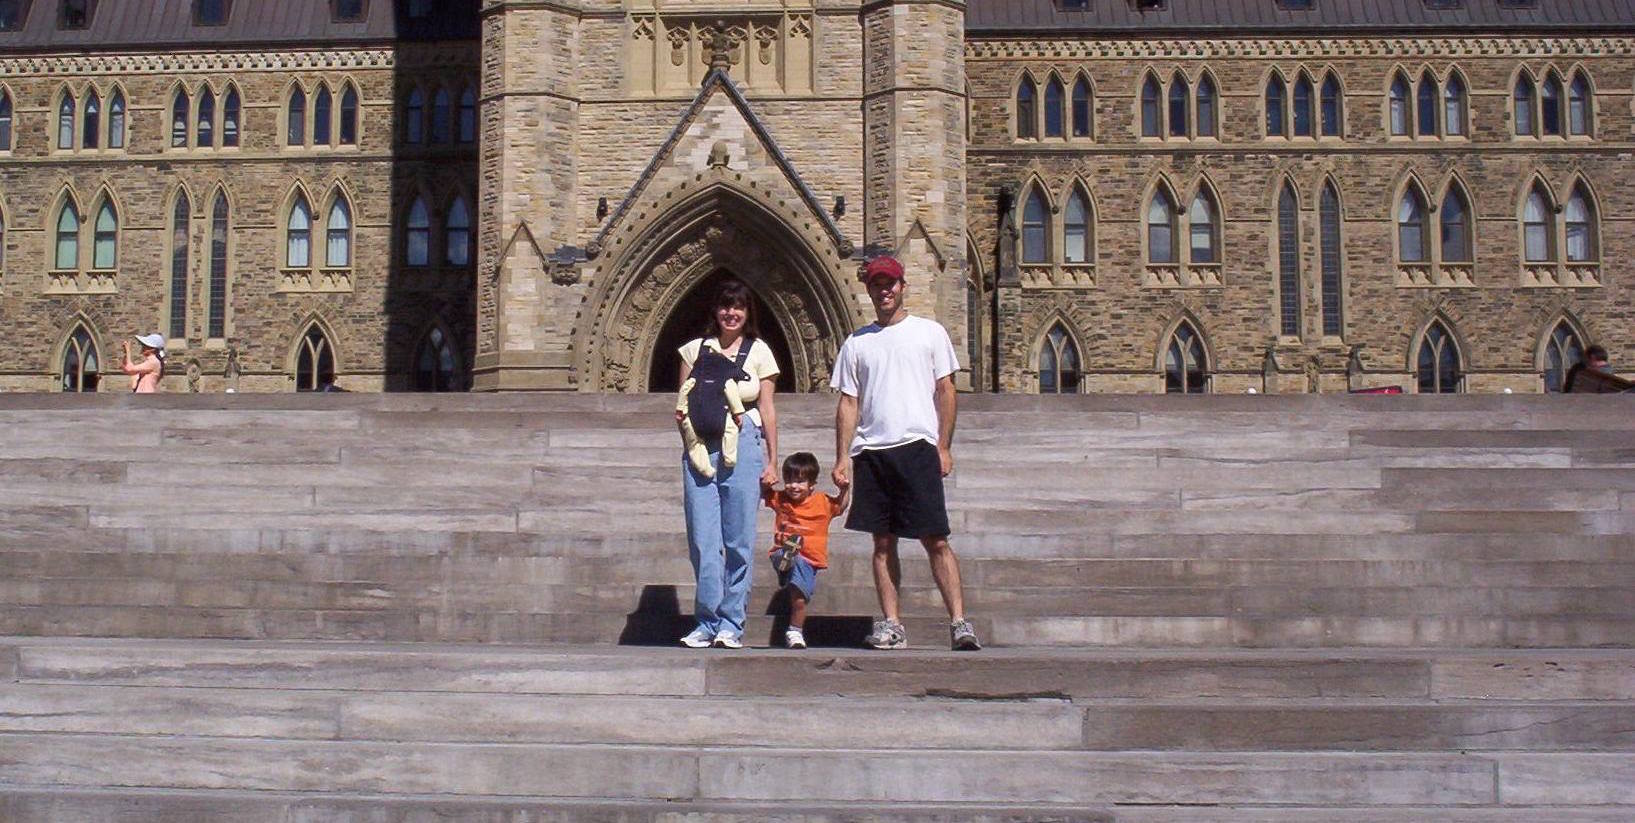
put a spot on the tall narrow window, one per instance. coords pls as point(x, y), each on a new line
point(116, 120)
point(1206, 107)
point(417, 240)
point(1152, 117)
point(1550, 106)
point(1058, 363)
point(5, 121)
point(91, 123)
point(1081, 108)
point(80, 369)
point(1562, 351)
point(1523, 105)
point(436, 366)
point(1399, 107)
point(1055, 108)
point(1411, 227)
point(1578, 106)
point(1581, 242)
point(67, 254)
point(1429, 102)
point(1454, 106)
point(457, 234)
point(1035, 229)
point(1329, 220)
point(1180, 99)
point(1332, 106)
point(338, 234)
point(1538, 228)
point(1076, 229)
point(414, 118)
point(314, 361)
point(1288, 261)
point(12, 13)
point(219, 219)
point(1276, 106)
point(1202, 228)
point(65, 122)
point(296, 131)
point(105, 240)
point(179, 219)
point(229, 118)
point(1185, 369)
point(298, 248)
point(1438, 370)
point(440, 117)
point(179, 107)
point(209, 12)
point(347, 11)
point(1455, 219)
point(1161, 228)
point(349, 116)
point(468, 116)
point(74, 14)
point(205, 128)
point(323, 112)
point(1027, 118)
point(1304, 93)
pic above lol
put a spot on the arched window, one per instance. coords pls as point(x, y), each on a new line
point(105, 239)
point(91, 123)
point(436, 367)
point(1185, 368)
point(179, 237)
point(1429, 102)
point(314, 360)
point(1288, 261)
point(296, 133)
point(349, 116)
point(1333, 107)
point(1454, 106)
point(1180, 94)
point(1411, 227)
point(468, 116)
point(206, 123)
point(1276, 104)
point(65, 122)
point(1562, 350)
point(80, 367)
point(116, 120)
point(1076, 230)
point(323, 113)
point(1538, 227)
point(1438, 361)
point(1202, 229)
point(1035, 228)
point(457, 234)
point(67, 255)
point(1206, 106)
point(5, 120)
point(1550, 106)
point(1523, 104)
point(1058, 363)
point(1333, 255)
point(1455, 218)
point(338, 234)
point(1081, 108)
point(1304, 94)
point(414, 118)
point(440, 117)
point(1161, 228)
point(1399, 107)
point(1582, 246)
point(298, 244)
point(229, 118)
point(179, 107)
point(1055, 105)
point(417, 242)
point(219, 235)
point(1152, 117)
point(1578, 106)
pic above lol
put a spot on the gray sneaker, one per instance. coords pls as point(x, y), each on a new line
point(963, 636)
point(887, 634)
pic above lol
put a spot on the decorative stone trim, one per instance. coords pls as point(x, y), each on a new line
point(1561, 275)
point(1174, 276)
point(1293, 48)
point(1066, 276)
point(80, 282)
point(1443, 276)
point(129, 64)
point(315, 281)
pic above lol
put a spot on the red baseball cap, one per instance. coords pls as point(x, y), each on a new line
point(883, 266)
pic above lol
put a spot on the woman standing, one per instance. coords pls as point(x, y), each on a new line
point(146, 373)
point(721, 510)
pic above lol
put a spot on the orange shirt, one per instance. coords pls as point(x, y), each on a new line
point(808, 518)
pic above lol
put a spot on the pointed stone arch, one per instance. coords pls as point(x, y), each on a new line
point(1043, 344)
point(1172, 334)
point(97, 337)
point(1439, 318)
point(305, 360)
point(1552, 353)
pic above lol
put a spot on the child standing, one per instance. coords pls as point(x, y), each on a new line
point(801, 532)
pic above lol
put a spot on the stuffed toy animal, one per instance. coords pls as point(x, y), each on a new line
point(711, 386)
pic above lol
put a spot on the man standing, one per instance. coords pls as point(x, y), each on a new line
point(894, 428)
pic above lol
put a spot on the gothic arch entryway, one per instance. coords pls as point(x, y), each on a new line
point(657, 271)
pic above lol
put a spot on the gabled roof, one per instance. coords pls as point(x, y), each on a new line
point(1250, 17)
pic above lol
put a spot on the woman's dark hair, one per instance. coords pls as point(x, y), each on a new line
point(733, 293)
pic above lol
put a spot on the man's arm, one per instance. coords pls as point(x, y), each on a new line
point(944, 395)
point(845, 430)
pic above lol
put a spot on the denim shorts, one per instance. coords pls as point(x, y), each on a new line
point(802, 575)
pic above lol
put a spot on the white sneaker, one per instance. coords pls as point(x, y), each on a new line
point(696, 639)
point(794, 639)
point(728, 640)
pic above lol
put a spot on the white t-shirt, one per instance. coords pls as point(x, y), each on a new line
point(759, 365)
point(892, 371)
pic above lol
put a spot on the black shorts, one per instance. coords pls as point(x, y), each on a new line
point(898, 491)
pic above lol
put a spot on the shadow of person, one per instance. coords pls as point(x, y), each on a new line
point(657, 619)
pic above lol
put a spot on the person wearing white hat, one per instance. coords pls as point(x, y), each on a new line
point(145, 373)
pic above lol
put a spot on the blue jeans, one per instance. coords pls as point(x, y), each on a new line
point(721, 532)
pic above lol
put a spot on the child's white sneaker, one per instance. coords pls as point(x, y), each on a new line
point(794, 639)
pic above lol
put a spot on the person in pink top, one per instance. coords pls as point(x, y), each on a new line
point(150, 369)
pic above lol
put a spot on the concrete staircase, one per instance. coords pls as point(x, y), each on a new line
point(405, 608)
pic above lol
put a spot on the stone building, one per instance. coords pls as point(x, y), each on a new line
point(1092, 195)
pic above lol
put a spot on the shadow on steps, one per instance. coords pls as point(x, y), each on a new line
point(658, 620)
